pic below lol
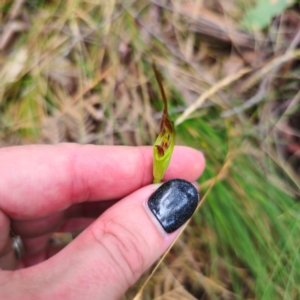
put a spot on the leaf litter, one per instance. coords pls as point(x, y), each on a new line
point(82, 73)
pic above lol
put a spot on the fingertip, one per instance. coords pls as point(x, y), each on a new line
point(198, 158)
point(186, 163)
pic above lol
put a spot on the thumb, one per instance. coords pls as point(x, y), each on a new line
point(112, 253)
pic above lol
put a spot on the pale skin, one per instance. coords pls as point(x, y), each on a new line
point(102, 189)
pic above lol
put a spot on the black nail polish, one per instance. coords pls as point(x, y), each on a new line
point(173, 203)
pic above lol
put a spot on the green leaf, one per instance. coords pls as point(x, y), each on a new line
point(164, 143)
point(262, 13)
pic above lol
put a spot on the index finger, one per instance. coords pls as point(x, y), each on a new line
point(39, 180)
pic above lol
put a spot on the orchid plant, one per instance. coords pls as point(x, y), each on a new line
point(164, 143)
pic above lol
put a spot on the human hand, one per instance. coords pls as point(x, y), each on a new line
point(102, 189)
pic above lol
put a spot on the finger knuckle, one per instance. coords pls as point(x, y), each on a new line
point(127, 250)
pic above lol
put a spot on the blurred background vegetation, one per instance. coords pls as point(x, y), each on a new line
point(80, 71)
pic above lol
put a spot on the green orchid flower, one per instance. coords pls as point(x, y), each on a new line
point(164, 144)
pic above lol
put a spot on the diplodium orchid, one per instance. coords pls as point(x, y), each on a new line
point(164, 143)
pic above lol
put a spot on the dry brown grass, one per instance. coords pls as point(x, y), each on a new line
point(80, 71)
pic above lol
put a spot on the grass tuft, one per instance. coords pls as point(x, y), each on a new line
point(80, 71)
